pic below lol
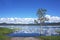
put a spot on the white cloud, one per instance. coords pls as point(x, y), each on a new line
point(53, 18)
point(28, 20)
point(17, 20)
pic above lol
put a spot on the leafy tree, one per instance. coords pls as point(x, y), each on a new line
point(35, 21)
point(41, 15)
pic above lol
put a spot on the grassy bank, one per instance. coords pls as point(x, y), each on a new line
point(49, 37)
point(3, 32)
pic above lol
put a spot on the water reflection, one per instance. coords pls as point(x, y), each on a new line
point(43, 30)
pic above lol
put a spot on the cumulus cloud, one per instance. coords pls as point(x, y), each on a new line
point(17, 20)
point(53, 18)
point(28, 20)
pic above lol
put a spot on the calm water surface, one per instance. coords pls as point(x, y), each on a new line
point(33, 30)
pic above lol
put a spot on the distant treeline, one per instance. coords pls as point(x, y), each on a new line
point(42, 24)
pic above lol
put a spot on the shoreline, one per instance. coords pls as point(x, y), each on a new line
point(24, 38)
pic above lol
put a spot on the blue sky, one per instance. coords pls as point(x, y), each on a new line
point(28, 8)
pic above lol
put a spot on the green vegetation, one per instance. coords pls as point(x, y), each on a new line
point(17, 29)
point(41, 15)
point(49, 37)
point(3, 32)
point(3, 37)
point(58, 31)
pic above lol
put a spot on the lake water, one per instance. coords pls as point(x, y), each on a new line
point(33, 30)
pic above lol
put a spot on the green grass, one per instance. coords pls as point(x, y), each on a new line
point(3, 32)
point(3, 37)
point(49, 37)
